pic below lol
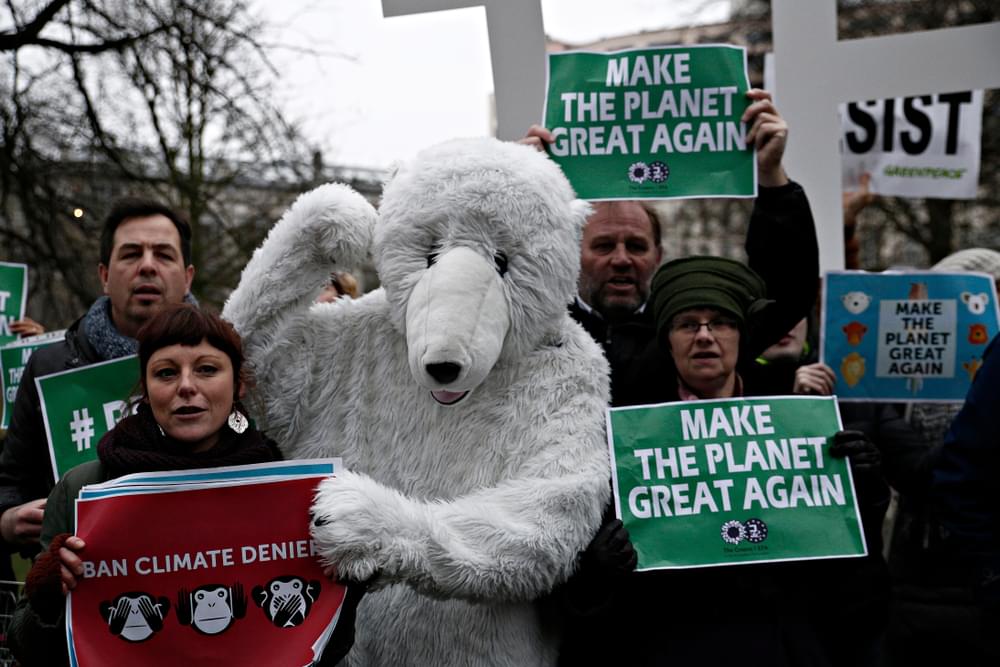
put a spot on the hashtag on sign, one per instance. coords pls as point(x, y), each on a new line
point(81, 429)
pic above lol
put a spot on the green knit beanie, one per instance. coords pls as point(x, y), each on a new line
point(707, 282)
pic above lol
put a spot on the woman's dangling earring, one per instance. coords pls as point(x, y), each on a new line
point(237, 421)
point(161, 429)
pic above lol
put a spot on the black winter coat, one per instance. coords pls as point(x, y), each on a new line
point(25, 470)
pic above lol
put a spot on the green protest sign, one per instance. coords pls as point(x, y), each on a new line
point(733, 481)
point(13, 358)
point(81, 405)
point(13, 296)
point(651, 123)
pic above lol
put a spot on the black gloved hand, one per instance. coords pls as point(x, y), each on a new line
point(343, 635)
point(610, 553)
point(858, 447)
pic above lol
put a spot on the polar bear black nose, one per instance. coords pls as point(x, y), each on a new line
point(444, 372)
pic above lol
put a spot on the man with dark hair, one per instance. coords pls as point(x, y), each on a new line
point(137, 207)
point(145, 264)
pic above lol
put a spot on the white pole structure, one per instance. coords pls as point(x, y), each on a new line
point(815, 72)
point(517, 50)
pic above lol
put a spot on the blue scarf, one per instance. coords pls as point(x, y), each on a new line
point(102, 335)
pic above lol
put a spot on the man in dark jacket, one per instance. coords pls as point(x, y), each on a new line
point(619, 253)
point(145, 263)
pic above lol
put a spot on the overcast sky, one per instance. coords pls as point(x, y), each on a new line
point(369, 90)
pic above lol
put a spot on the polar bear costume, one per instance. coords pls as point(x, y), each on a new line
point(466, 404)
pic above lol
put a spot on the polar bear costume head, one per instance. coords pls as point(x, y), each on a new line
point(477, 247)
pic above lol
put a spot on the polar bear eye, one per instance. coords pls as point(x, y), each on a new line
point(500, 260)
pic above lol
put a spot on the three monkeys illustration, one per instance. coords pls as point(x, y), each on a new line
point(210, 609)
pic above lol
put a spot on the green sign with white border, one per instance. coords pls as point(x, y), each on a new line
point(13, 358)
point(80, 405)
point(13, 297)
point(728, 482)
point(656, 123)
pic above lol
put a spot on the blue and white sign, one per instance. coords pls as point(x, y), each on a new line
point(916, 336)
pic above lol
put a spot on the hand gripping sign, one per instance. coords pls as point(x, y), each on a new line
point(202, 567)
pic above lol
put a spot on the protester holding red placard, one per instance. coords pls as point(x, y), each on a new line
point(189, 417)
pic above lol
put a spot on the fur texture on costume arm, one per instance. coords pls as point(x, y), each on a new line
point(327, 228)
point(514, 540)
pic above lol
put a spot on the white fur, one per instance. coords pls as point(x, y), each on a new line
point(465, 514)
point(464, 326)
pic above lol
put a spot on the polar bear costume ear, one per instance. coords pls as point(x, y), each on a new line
point(582, 210)
point(390, 173)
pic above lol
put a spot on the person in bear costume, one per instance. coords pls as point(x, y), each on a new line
point(467, 406)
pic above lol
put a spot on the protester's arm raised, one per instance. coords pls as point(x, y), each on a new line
point(326, 229)
point(781, 240)
point(768, 133)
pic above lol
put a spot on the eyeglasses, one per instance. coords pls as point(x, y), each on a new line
point(721, 327)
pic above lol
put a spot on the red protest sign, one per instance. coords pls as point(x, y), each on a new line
point(201, 576)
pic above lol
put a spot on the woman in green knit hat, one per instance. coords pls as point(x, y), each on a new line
point(713, 318)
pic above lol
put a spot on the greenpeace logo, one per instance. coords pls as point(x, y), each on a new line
point(655, 172)
point(923, 172)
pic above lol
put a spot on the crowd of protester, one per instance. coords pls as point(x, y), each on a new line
point(690, 329)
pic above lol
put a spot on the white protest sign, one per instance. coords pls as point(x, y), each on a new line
point(918, 146)
point(917, 336)
point(922, 146)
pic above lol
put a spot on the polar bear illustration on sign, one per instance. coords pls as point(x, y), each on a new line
point(856, 302)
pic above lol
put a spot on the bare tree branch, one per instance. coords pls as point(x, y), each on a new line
point(28, 34)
